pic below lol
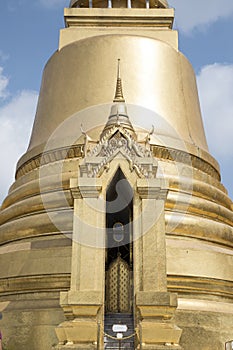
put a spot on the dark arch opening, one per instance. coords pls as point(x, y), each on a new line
point(119, 261)
point(119, 216)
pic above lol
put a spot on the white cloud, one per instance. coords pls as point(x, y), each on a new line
point(3, 84)
point(215, 83)
point(191, 14)
point(3, 56)
point(16, 119)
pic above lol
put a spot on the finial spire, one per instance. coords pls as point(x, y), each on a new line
point(119, 93)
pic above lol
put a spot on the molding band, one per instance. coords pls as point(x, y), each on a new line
point(76, 151)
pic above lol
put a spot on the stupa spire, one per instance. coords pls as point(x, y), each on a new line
point(119, 91)
point(118, 114)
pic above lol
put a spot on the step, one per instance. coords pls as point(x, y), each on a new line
point(116, 345)
point(114, 319)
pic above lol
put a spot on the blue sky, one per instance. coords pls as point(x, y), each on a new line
point(29, 32)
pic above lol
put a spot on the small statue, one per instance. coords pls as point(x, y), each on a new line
point(148, 138)
point(86, 140)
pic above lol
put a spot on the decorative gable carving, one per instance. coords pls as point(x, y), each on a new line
point(118, 142)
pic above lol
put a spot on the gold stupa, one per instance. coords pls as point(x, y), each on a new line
point(117, 222)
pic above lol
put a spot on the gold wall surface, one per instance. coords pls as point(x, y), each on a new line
point(37, 215)
point(164, 83)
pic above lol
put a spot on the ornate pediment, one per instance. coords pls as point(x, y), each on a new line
point(117, 142)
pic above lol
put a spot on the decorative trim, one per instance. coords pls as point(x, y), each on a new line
point(28, 284)
point(85, 187)
point(204, 305)
point(77, 151)
point(185, 158)
point(61, 282)
point(134, 17)
point(152, 188)
point(199, 285)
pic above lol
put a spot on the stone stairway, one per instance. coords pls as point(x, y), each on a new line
point(118, 319)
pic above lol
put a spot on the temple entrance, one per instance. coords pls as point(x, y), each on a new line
point(119, 262)
point(119, 251)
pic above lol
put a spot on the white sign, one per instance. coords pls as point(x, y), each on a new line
point(119, 328)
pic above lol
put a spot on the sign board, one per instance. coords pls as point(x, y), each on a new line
point(119, 328)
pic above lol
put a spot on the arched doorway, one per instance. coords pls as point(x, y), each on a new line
point(119, 251)
point(119, 258)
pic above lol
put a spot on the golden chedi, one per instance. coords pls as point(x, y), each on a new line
point(117, 230)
